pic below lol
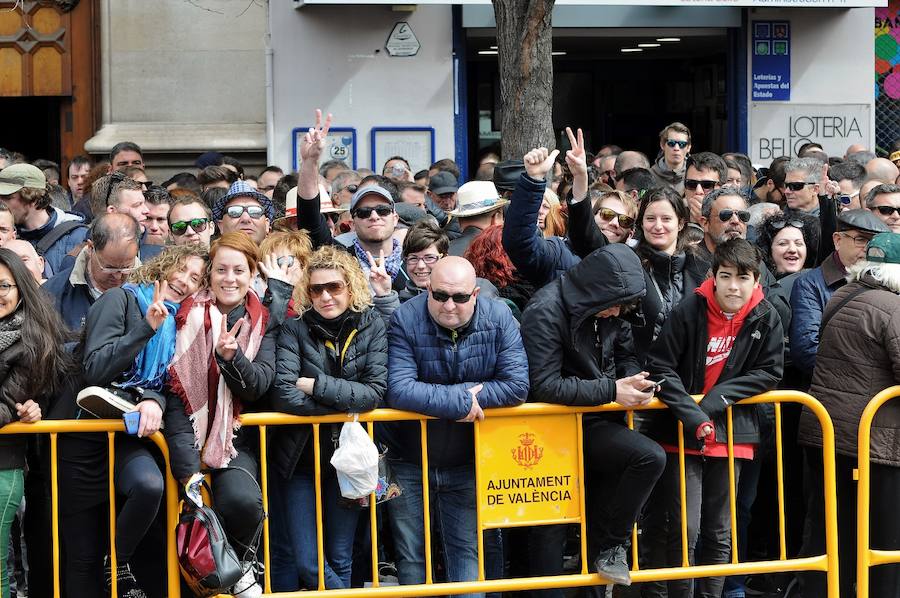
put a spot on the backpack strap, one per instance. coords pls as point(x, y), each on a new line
point(55, 235)
point(840, 306)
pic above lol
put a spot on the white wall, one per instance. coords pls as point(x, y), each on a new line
point(833, 58)
point(333, 57)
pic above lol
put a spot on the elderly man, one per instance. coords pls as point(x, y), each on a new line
point(33, 262)
point(859, 356)
point(452, 355)
point(246, 210)
point(884, 202)
point(801, 185)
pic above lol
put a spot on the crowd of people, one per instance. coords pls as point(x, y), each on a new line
point(559, 277)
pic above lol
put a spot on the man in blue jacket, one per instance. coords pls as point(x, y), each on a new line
point(452, 355)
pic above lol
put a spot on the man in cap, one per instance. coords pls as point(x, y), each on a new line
point(479, 206)
point(442, 189)
point(814, 288)
point(54, 233)
point(246, 210)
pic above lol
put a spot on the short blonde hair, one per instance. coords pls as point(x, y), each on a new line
point(296, 242)
point(631, 207)
point(169, 260)
point(329, 257)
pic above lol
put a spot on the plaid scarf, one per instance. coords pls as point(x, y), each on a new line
point(392, 262)
point(194, 374)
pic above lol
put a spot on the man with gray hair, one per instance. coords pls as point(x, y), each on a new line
point(884, 202)
point(801, 184)
point(343, 187)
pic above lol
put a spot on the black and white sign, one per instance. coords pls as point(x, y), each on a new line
point(402, 41)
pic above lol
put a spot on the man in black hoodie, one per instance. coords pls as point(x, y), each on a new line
point(581, 353)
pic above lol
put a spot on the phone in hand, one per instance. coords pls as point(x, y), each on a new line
point(653, 386)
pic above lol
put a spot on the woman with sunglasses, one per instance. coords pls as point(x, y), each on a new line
point(128, 345)
point(614, 213)
point(332, 358)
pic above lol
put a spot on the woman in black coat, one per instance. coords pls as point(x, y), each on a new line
point(330, 359)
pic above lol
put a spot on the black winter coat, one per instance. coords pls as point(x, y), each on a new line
point(755, 365)
point(352, 383)
point(13, 377)
point(575, 358)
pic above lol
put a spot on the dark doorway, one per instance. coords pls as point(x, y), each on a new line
point(31, 127)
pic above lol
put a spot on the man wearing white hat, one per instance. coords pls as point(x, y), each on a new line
point(478, 206)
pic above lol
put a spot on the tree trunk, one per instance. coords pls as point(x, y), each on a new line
point(524, 44)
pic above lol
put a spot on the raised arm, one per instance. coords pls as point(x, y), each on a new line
point(309, 216)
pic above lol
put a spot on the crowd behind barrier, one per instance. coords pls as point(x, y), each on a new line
point(506, 322)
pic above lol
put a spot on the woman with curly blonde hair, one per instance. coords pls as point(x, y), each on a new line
point(331, 358)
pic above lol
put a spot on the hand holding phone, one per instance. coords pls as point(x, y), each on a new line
point(653, 386)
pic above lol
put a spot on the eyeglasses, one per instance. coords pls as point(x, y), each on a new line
point(382, 210)
point(780, 224)
point(726, 214)
point(798, 185)
point(285, 260)
point(706, 184)
point(198, 225)
point(858, 242)
point(335, 287)
point(428, 260)
point(5, 288)
point(114, 179)
point(886, 210)
point(673, 142)
point(458, 298)
point(608, 214)
point(109, 269)
point(255, 212)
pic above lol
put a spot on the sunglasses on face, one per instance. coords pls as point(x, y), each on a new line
point(743, 215)
point(458, 298)
point(382, 210)
point(608, 214)
point(886, 210)
point(780, 224)
point(706, 184)
point(285, 260)
point(673, 142)
point(335, 287)
point(255, 212)
point(351, 188)
point(797, 186)
point(197, 224)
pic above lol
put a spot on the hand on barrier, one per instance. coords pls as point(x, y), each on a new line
point(29, 412)
point(157, 312)
point(630, 391)
point(151, 417)
point(539, 161)
point(306, 385)
point(476, 412)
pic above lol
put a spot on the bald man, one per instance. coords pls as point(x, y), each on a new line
point(29, 257)
point(883, 170)
point(856, 147)
point(452, 355)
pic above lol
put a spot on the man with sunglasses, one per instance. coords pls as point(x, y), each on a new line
point(705, 171)
point(452, 355)
point(190, 222)
point(674, 147)
point(244, 210)
point(801, 185)
point(884, 202)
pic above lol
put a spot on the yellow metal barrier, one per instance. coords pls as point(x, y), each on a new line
point(826, 562)
point(866, 557)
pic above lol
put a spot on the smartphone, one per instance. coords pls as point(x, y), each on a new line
point(654, 386)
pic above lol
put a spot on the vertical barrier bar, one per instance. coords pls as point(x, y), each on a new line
point(113, 561)
point(264, 474)
point(629, 419)
point(682, 488)
point(426, 502)
point(173, 571)
point(779, 456)
point(373, 524)
point(479, 522)
point(732, 486)
point(582, 522)
point(54, 511)
point(317, 478)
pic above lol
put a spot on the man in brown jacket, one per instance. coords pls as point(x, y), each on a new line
point(858, 357)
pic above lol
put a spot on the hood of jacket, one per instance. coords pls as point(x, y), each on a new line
point(611, 275)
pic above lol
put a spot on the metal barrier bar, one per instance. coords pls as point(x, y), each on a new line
point(779, 467)
point(866, 557)
point(732, 485)
point(111, 482)
point(264, 487)
point(320, 521)
point(682, 489)
point(373, 524)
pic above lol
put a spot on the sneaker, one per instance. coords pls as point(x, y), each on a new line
point(126, 584)
point(246, 587)
point(105, 403)
point(612, 564)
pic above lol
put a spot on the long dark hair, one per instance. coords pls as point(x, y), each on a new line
point(43, 332)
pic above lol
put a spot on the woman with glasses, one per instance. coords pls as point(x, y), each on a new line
point(424, 245)
point(332, 358)
point(129, 343)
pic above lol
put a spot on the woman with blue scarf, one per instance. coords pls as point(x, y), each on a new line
point(129, 343)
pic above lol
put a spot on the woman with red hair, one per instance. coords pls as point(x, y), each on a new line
point(490, 261)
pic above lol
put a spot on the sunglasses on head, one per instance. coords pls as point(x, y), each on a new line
point(780, 224)
point(706, 184)
point(726, 214)
point(255, 212)
point(180, 227)
point(608, 214)
point(458, 298)
point(382, 210)
point(335, 287)
point(673, 142)
point(797, 185)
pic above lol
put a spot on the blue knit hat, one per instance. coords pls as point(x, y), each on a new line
point(241, 188)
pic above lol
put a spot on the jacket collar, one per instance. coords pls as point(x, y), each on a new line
point(832, 270)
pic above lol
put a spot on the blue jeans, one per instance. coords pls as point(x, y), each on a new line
point(12, 488)
point(452, 499)
point(338, 532)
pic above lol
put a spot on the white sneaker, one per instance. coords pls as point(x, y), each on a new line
point(246, 587)
point(105, 403)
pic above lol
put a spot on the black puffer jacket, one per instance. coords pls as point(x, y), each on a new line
point(352, 378)
point(13, 377)
point(755, 365)
point(574, 358)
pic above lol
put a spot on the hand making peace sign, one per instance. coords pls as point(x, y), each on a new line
point(314, 141)
point(576, 158)
point(227, 345)
point(378, 276)
point(157, 312)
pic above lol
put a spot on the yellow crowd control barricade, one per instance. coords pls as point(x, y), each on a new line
point(866, 557)
point(110, 427)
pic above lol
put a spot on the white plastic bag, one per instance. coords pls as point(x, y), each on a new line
point(356, 462)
